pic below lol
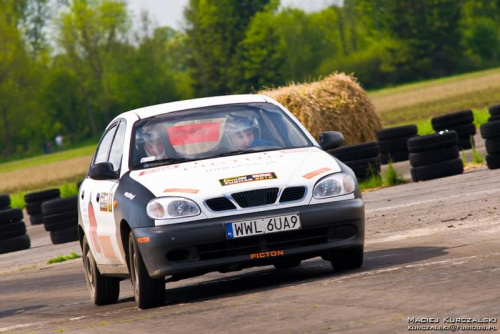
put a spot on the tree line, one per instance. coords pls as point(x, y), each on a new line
point(67, 67)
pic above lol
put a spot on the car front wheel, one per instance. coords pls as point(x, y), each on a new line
point(148, 292)
point(348, 258)
point(103, 290)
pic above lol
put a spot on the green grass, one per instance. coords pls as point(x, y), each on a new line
point(59, 259)
point(17, 199)
point(391, 177)
point(47, 158)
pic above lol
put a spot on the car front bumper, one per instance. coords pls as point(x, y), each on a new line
point(195, 248)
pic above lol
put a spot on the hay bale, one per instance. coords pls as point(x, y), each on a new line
point(336, 103)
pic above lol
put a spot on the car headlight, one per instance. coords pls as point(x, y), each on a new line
point(334, 185)
point(172, 207)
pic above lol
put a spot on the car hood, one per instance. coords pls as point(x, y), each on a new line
point(215, 177)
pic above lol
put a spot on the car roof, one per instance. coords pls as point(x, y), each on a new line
point(164, 108)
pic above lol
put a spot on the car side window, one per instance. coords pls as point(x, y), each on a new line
point(115, 156)
point(103, 149)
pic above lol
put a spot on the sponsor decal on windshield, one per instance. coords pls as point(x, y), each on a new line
point(247, 178)
point(194, 133)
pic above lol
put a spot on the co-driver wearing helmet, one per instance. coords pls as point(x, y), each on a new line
point(241, 130)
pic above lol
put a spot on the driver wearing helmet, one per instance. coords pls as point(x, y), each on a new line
point(242, 130)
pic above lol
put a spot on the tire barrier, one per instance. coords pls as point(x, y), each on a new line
point(435, 156)
point(363, 159)
point(392, 142)
point(60, 219)
point(13, 235)
point(34, 203)
point(491, 133)
point(4, 202)
point(462, 122)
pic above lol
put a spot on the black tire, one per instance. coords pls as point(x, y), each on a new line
point(466, 143)
point(287, 264)
point(15, 244)
point(394, 156)
point(64, 235)
point(148, 292)
point(462, 130)
point(42, 196)
point(435, 156)
point(396, 144)
point(60, 205)
point(356, 152)
point(492, 146)
point(3, 208)
point(490, 130)
point(397, 132)
point(437, 170)
point(494, 109)
point(364, 168)
point(36, 219)
point(10, 216)
point(34, 208)
point(432, 141)
point(494, 118)
point(58, 217)
point(4, 200)
point(348, 258)
point(452, 119)
point(493, 161)
point(61, 225)
point(11, 230)
point(103, 290)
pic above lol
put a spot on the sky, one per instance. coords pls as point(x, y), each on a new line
point(171, 12)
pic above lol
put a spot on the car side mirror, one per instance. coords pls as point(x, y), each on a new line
point(331, 139)
point(103, 171)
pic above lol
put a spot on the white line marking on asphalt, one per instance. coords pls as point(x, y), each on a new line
point(8, 329)
point(494, 191)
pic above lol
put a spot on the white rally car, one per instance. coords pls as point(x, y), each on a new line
point(215, 184)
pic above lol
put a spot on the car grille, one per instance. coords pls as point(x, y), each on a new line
point(292, 194)
point(274, 241)
point(258, 197)
point(220, 204)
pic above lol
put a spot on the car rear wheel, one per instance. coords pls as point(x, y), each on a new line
point(348, 258)
point(103, 290)
point(148, 292)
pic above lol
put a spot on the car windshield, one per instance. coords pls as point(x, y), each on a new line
point(212, 132)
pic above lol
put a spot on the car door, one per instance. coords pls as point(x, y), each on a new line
point(98, 197)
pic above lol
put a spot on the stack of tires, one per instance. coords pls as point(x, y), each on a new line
point(13, 235)
point(361, 158)
point(4, 202)
point(392, 142)
point(435, 156)
point(494, 113)
point(491, 133)
point(34, 203)
point(462, 122)
point(60, 218)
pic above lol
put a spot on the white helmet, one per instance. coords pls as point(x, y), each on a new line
point(151, 138)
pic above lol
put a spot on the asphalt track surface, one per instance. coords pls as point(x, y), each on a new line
point(432, 253)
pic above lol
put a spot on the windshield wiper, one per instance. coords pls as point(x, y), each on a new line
point(165, 161)
point(248, 150)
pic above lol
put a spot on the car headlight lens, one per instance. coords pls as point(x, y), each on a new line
point(172, 207)
point(334, 185)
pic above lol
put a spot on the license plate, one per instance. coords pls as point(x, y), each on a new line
point(247, 228)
